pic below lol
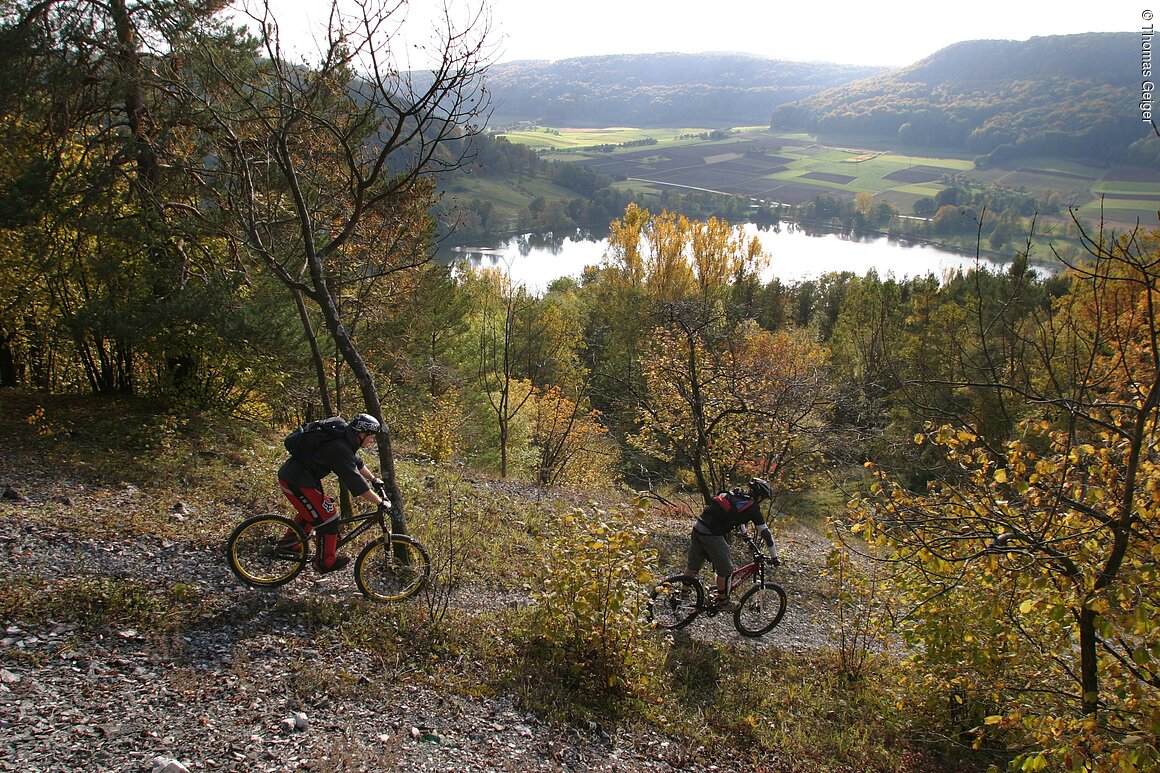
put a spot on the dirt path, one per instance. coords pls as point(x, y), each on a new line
point(227, 692)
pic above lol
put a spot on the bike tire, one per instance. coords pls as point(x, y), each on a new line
point(258, 555)
point(390, 571)
point(675, 601)
point(760, 609)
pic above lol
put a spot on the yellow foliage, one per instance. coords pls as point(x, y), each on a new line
point(731, 407)
point(673, 258)
point(437, 434)
point(592, 610)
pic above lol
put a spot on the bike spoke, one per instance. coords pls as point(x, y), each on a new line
point(761, 609)
point(675, 602)
point(392, 571)
point(263, 554)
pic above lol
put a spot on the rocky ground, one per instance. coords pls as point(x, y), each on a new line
point(230, 695)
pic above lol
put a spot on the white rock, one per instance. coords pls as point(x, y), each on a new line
point(301, 721)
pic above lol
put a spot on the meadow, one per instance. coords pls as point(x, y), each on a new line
point(794, 168)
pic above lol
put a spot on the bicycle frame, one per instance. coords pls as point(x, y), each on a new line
point(754, 567)
point(365, 521)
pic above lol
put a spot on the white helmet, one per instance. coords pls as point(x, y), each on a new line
point(364, 422)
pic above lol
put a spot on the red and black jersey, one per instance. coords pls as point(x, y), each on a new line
point(728, 510)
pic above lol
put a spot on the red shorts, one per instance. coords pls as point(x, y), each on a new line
point(311, 503)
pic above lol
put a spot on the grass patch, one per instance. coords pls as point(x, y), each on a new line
point(93, 603)
point(565, 138)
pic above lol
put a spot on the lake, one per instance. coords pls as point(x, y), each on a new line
point(535, 261)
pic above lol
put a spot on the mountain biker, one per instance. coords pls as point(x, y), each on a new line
point(333, 446)
point(725, 512)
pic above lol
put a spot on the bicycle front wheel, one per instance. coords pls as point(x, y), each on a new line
point(267, 551)
point(392, 570)
point(760, 609)
point(675, 602)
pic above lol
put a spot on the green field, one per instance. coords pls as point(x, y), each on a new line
point(576, 144)
point(793, 168)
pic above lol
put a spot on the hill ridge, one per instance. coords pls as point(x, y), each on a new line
point(661, 89)
point(1064, 95)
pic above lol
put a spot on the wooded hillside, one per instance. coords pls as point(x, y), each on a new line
point(1073, 95)
point(659, 89)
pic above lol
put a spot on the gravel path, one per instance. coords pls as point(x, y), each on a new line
point(232, 694)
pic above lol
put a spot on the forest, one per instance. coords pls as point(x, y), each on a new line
point(1068, 95)
point(716, 90)
point(189, 219)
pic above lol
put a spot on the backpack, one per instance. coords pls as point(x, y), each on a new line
point(728, 502)
point(305, 440)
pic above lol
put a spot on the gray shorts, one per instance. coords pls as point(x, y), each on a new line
point(714, 549)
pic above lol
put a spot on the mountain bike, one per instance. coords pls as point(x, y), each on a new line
point(267, 551)
point(678, 600)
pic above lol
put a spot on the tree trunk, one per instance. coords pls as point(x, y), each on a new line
point(1089, 675)
point(503, 432)
point(374, 407)
point(8, 369)
point(315, 353)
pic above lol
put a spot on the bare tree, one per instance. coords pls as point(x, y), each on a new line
point(324, 168)
point(516, 351)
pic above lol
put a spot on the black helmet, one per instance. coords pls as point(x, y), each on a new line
point(364, 422)
point(759, 487)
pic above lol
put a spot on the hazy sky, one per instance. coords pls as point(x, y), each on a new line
point(863, 32)
point(880, 33)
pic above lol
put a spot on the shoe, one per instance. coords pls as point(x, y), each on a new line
point(725, 604)
point(339, 563)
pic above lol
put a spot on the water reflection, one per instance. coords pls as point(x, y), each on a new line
point(796, 254)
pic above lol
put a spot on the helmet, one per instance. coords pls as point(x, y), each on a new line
point(364, 422)
point(759, 487)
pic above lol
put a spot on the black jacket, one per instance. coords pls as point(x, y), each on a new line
point(330, 454)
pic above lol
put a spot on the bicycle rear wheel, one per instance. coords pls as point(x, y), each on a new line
point(392, 571)
point(760, 609)
point(675, 602)
point(267, 551)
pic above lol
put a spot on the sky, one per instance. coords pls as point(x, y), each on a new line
point(872, 33)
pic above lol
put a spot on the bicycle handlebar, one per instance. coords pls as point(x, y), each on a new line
point(755, 549)
point(381, 489)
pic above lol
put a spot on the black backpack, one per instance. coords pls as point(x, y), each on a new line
point(305, 440)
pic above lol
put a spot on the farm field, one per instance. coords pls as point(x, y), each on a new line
point(794, 168)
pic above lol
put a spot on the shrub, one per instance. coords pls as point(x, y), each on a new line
point(587, 628)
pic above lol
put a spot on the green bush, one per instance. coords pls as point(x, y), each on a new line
point(587, 630)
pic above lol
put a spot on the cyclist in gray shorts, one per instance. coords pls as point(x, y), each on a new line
point(725, 512)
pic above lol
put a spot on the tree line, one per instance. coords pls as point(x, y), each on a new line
point(1000, 100)
point(663, 89)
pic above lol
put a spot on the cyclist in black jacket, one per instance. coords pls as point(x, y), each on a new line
point(725, 512)
point(332, 446)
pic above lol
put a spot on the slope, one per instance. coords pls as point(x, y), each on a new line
point(1071, 96)
point(645, 90)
